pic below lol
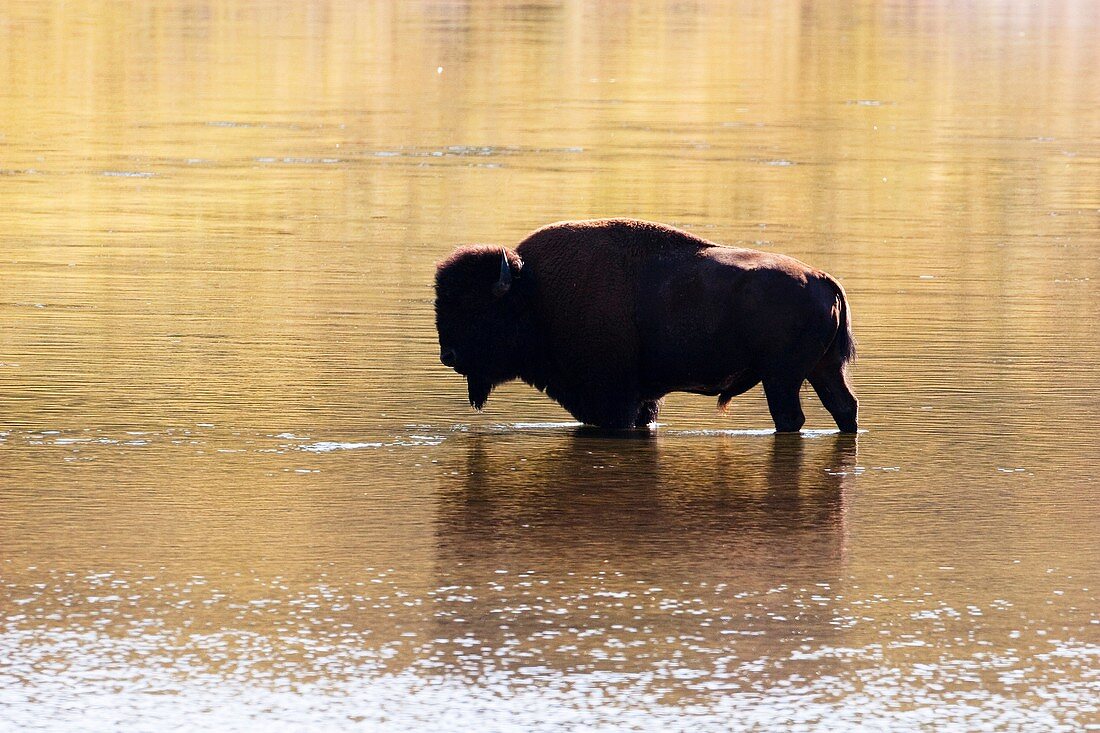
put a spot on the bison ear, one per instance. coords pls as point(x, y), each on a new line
point(504, 282)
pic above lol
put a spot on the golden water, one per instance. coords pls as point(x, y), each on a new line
point(237, 490)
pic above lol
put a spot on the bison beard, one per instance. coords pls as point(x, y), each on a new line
point(479, 390)
point(608, 316)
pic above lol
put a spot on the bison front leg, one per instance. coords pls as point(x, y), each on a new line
point(647, 413)
point(603, 409)
point(625, 413)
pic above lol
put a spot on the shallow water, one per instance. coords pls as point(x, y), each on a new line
point(239, 492)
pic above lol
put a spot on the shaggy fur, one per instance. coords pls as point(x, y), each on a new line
point(608, 316)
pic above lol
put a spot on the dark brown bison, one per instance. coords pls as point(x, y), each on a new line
point(608, 316)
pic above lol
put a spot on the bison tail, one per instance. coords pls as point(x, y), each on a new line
point(843, 348)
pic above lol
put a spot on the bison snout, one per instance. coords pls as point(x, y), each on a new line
point(448, 357)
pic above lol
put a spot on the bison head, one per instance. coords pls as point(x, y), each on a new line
point(480, 317)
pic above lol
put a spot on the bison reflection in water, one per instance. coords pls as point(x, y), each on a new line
point(554, 556)
point(609, 316)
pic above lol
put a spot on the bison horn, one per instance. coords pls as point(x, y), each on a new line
point(501, 286)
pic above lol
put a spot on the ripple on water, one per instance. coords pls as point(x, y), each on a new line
point(327, 446)
point(516, 650)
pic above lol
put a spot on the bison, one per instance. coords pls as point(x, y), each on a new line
point(608, 316)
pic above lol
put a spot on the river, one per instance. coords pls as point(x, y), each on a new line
point(238, 491)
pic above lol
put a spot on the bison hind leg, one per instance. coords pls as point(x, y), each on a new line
point(830, 381)
point(784, 404)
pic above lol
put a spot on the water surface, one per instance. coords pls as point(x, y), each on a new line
point(237, 490)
